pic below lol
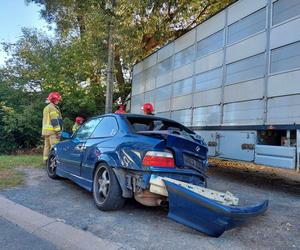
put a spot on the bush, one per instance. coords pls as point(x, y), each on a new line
point(20, 129)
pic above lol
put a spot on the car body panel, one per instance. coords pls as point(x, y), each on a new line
point(206, 215)
point(70, 155)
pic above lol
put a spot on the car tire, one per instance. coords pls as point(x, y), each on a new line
point(51, 166)
point(107, 192)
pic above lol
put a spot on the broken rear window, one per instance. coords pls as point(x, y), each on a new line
point(139, 124)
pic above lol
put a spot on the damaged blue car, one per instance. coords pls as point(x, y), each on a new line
point(154, 160)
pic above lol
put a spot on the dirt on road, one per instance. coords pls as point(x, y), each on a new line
point(149, 228)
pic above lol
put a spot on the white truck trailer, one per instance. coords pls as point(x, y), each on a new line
point(235, 80)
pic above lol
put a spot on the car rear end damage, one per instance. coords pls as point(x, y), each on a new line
point(208, 211)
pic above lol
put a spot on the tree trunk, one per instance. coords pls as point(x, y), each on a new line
point(118, 67)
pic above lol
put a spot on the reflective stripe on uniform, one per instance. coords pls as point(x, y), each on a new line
point(51, 120)
point(49, 129)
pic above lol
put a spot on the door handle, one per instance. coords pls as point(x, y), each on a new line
point(80, 147)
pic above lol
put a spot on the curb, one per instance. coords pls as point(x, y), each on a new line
point(58, 233)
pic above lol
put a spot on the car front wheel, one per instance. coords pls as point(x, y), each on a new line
point(51, 166)
point(107, 192)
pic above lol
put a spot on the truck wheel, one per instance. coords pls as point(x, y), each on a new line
point(107, 192)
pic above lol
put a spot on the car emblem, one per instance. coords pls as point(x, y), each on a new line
point(197, 148)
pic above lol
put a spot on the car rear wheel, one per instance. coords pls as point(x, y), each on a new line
point(51, 166)
point(107, 192)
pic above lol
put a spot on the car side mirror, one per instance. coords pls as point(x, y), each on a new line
point(65, 135)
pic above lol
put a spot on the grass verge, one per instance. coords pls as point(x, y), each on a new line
point(9, 176)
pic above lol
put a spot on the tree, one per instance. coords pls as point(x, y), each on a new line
point(141, 25)
point(38, 65)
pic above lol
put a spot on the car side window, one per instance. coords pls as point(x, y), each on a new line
point(87, 129)
point(106, 128)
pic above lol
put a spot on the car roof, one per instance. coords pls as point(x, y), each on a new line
point(129, 115)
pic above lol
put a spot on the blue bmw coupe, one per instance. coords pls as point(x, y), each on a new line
point(115, 155)
point(121, 156)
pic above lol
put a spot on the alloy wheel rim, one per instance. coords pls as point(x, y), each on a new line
point(103, 184)
point(52, 165)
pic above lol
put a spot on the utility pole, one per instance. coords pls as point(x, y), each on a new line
point(110, 60)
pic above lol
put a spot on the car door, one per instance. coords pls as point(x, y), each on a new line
point(73, 150)
point(101, 140)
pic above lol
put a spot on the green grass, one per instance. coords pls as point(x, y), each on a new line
point(9, 176)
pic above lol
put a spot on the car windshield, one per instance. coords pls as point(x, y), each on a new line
point(139, 124)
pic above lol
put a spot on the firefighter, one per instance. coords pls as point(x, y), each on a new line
point(52, 123)
point(121, 109)
point(148, 109)
point(78, 121)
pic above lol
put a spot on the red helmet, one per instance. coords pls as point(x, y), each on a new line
point(120, 111)
point(148, 108)
point(54, 96)
point(79, 119)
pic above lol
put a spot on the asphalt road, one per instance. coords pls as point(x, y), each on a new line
point(149, 228)
point(13, 237)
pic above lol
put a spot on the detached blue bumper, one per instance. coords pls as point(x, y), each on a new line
point(206, 215)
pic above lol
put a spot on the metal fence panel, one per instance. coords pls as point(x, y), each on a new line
point(246, 69)
point(247, 26)
point(210, 44)
point(209, 62)
point(284, 84)
point(206, 98)
point(284, 110)
point(211, 26)
point(277, 156)
point(244, 8)
point(244, 113)
point(249, 90)
point(182, 116)
point(246, 48)
point(285, 58)
point(285, 33)
point(285, 9)
point(207, 116)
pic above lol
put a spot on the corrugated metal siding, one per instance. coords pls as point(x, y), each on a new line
point(244, 113)
point(284, 110)
point(246, 48)
point(207, 98)
point(211, 26)
point(284, 84)
point(244, 8)
point(207, 116)
point(286, 33)
point(249, 90)
point(182, 116)
point(285, 9)
point(232, 78)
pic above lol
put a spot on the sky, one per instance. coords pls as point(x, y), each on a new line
point(15, 14)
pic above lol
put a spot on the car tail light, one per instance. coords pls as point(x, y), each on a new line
point(159, 159)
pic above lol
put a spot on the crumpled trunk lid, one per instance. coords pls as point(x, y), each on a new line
point(189, 152)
